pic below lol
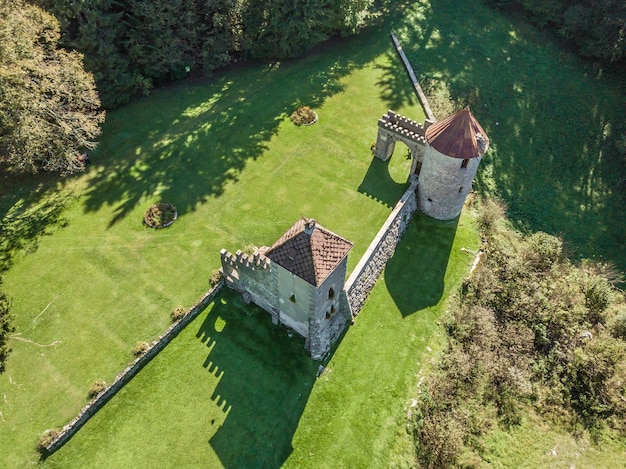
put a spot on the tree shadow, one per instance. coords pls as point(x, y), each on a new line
point(30, 207)
point(265, 378)
point(552, 123)
point(190, 140)
point(415, 274)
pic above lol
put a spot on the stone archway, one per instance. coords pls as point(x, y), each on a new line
point(393, 127)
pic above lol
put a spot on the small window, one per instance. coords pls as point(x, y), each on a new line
point(331, 293)
point(292, 298)
point(465, 163)
point(460, 189)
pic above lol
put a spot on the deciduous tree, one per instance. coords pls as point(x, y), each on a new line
point(49, 108)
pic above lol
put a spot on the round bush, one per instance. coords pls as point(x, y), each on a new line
point(304, 116)
point(160, 215)
point(178, 313)
point(140, 348)
point(97, 387)
point(46, 439)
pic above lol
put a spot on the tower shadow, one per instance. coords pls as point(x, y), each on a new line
point(415, 274)
point(265, 378)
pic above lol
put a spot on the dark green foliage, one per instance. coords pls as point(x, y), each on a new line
point(529, 330)
point(596, 27)
point(6, 328)
point(132, 46)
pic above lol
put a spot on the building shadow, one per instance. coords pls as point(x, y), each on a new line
point(415, 274)
point(383, 181)
point(265, 378)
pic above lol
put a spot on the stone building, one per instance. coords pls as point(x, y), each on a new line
point(299, 280)
point(446, 155)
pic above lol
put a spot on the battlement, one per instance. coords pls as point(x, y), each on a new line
point(408, 128)
point(251, 261)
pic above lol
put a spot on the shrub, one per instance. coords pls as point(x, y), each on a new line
point(543, 250)
point(160, 215)
point(140, 348)
point(178, 313)
point(617, 325)
point(47, 438)
point(303, 116)
point(490, 213)
point(97, 388)
point(215, 277)
point(597, 294)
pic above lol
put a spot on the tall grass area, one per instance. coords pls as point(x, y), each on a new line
point(88, 280)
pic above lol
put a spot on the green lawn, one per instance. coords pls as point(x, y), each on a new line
point(233, 390)
point(552, 120)
point(88, 280)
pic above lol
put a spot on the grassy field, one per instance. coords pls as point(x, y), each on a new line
point(88, 280)
point(553, 120)
point(235, 391)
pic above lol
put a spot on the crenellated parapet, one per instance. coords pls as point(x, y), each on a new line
point(242, 259)
point(403, 126)
point(392, 128)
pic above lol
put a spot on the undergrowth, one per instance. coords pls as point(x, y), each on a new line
point(530, 329)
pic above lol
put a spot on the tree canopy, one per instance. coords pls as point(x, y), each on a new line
point(49, 107)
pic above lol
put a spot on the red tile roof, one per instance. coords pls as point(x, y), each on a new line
point(309, 251)
point(459, 135)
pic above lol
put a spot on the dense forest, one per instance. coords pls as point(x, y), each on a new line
point(131, 46)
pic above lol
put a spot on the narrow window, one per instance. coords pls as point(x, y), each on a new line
point(331, 293)
point(465, 163)
point(460, 189)
point(292, 298)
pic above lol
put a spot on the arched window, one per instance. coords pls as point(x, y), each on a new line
point(331, 293)
point(465, 163)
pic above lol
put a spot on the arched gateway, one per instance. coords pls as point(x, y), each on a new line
point(393, 127)
point(446, 155)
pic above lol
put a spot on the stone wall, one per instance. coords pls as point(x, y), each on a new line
point(125, 376)
point(380, 250)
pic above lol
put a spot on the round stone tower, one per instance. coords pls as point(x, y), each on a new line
point(454, 147)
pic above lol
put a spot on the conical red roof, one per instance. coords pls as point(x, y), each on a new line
point(459, 136)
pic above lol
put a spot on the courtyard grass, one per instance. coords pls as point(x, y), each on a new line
point(233, 390)
point(88, 280)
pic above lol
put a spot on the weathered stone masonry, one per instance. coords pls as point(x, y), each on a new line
point(380, 250)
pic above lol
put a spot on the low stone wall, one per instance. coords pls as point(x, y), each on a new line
point(125, 376)
point(380, 250)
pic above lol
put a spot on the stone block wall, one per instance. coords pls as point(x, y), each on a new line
point(381, 249)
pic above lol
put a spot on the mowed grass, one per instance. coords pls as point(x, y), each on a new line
point(88, 280)
point(233, 390)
